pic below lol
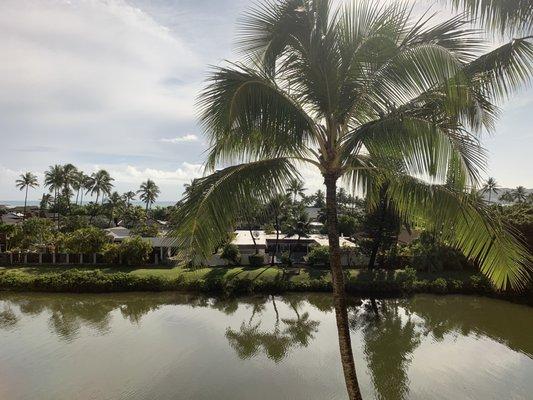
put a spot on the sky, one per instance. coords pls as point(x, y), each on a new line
point(113, 83)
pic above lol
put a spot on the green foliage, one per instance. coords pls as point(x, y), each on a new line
point(256, 260)
point(347, 225)
point(428, 254)
point(134, 251)
point(32, 232)
point(86, 241)
point(72, 223)
point(145, 230)
point(318, 256)
point(231, 253)
point(519, 217)
point(111, 253)
point(439, 286)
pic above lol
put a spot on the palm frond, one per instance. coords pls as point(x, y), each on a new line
point(248, 116)
point(506, 17)
point(466, 225)
point(210, 209)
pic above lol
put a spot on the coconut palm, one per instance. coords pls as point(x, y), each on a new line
point(100, 183)
point(295, 188)
point(26, 181)
point(114, 201)
point(149, 192)
point(78, 184)
point(507, 197)
point(519, 194)
point(53, 180)
point(69, 181)
point(366, 95)
point(128, 197)
point(490, 186)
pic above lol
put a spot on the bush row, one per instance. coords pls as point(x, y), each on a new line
point(376, 283)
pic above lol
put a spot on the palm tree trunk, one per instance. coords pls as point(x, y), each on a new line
point(277, 242)
point(339, 294)
point(25, 202)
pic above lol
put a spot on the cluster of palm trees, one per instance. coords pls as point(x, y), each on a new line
point(518, 195)
point(66, 181)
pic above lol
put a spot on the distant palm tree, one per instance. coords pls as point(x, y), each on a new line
point(128, 197)
point(70, 173)
point(86, 185)
point(295, 188)
point(100, 183)
point(114, 201)
point(77, 184)
point(519, 194)
point(26, 181)
point(53, 180)
point(491, 186)
point(507, 197)
point(45, 202)
point(149, 192)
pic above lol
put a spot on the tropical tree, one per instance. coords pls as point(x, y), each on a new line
point(148, 193)
point(78, 184)
point(295, 188)
point(53, 180)
point(128, 197)
point(26, 181)
point(70, 175)
point(507, 197)
point(367, 95)
point(100, 183)
point(114, 201)
point(490, 186)
point(519, 194)
point(45, 202)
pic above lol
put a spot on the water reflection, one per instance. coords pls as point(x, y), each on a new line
point(276, 334)
point(390, 337)
point(275, 341)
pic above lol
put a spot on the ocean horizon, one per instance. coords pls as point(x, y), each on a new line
point(20, 203)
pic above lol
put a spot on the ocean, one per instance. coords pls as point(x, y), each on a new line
point(20, 203)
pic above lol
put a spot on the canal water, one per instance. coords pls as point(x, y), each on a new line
point(178, 346)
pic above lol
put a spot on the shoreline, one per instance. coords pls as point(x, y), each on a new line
point(231, 281)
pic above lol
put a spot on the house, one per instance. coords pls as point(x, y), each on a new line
point(163, 247)
point(263, 243)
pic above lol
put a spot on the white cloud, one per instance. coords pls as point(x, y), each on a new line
point(181, 139)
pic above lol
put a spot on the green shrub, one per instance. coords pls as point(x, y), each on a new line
point(439, 286)
point(286, 260)
point(318, 256)
point(134, 250)
point(406, 278)
point(111, 253)
point(256, 260)
point(231, 253)
point(85, 241)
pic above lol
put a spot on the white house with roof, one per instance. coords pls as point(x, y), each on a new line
point(265, 244)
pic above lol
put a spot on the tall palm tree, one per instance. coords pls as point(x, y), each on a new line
point(367, 95)
point(149, 192)
point(69, 181)
point(101, 183)
point(295, 188)
point(78, 184)
point(114, 201)
point(490, 186)
point(519, 194)
point(128, 197)
point(507, 197)
point(53, 180)
point(26, 181)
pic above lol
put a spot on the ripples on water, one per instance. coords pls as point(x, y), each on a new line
point(176, 346)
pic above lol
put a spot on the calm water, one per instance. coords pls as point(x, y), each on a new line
point(175, 346)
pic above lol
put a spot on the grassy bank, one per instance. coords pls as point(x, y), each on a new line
point(240, 280)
